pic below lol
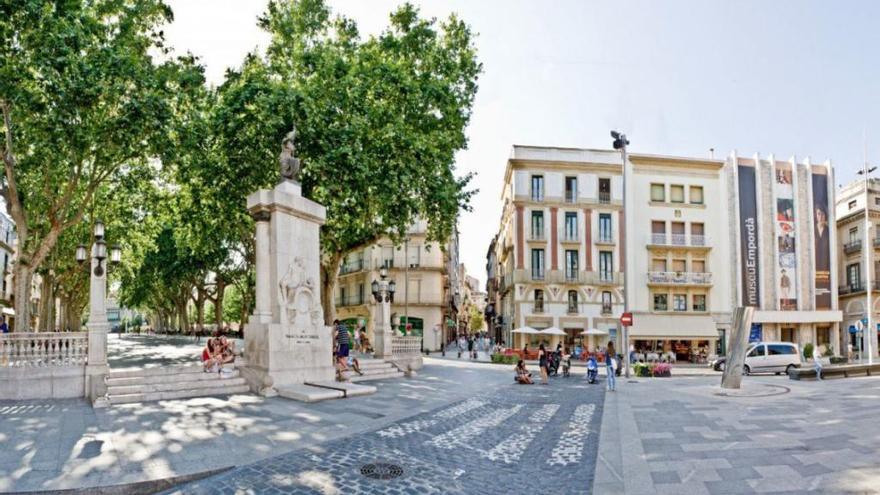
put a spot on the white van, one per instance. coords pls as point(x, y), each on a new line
point(778, 357)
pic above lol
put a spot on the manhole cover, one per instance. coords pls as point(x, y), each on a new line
point(381, 471)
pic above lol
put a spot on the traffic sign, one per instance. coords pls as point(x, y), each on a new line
point(626, 319)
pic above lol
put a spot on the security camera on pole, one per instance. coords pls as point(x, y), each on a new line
point(620, 143)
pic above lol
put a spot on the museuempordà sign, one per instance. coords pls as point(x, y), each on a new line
point(748, 213)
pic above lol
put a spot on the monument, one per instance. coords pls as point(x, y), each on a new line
point(738, 343)
point(286, 341)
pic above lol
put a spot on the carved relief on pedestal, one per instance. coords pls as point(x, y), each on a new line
point(299, 301)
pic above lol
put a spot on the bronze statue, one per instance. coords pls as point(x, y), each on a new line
point(290, 166)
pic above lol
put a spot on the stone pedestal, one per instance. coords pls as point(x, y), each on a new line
point(98, 327)
point(383, 333)
point(286, 341)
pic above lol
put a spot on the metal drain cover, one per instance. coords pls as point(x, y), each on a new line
point(381, 471)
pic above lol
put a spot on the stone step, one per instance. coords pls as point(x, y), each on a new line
point(150, 379)
point(173, 386)
point(178, 394)
point(381, 376)
point(371, 371)
point(158, 371)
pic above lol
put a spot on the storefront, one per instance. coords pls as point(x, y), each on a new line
point(673, 338)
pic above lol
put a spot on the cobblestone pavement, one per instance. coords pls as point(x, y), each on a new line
point(514, 440)
point(679, 436)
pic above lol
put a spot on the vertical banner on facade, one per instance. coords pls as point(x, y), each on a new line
point(748, 227)
point(786, 269)
point(822, 244)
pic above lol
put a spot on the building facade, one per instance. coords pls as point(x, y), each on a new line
point(419, 270)
point(705, 236)
point(558, 249)
point(853, 244)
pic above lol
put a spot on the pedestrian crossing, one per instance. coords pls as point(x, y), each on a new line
point(570, 447)
point(404, 429)
point(463, 435)
point(512, 448)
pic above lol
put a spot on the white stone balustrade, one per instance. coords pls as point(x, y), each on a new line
point(406, 346)
point(43, 349)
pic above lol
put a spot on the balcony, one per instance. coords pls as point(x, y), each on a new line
point(680, 278)
point(352, 267)
point(571, 196)
point(852, 247)
point(679, 241)
point(856, 287)
point(605, 197)
point(606, 309)
point(571, 237)
point(605, 238)
point(603, 277)
point(538, 307)
point(537, 236)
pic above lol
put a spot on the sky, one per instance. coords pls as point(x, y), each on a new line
point(789, 78)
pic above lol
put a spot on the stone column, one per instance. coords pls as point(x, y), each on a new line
point(382, 322)
point(839, 347)
point(98, 327)
point(263, 308)
point(739, 342)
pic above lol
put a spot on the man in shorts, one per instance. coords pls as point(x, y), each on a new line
point(343, 343)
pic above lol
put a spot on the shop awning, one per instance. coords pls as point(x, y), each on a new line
point(8, 311)
point(673, 327)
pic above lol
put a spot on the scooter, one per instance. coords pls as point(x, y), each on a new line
point(592, 370)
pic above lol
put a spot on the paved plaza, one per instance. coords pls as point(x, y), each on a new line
point(460, 427)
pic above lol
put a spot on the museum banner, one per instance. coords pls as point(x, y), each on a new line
point(748, 218)
point(786, 268)
point(821, 240)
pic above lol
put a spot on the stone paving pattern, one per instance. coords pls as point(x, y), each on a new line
point(501, 443)
point(677, 436)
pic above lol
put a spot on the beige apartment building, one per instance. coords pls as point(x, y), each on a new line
point(557, 255)
point(425, 292)
point(707, 235)
point(853, 243)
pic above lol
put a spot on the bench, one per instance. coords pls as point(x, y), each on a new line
point(836, 371)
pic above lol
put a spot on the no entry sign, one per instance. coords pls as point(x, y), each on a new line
point(626, 319)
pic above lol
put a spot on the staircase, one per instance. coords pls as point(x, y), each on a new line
point(173, 382)
point(373, 369)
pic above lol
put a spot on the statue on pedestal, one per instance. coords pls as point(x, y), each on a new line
point(290, 165)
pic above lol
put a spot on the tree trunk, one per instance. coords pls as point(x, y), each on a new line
point(218, 303)
point(329, 271)
point(46, 300)
point(22, 294)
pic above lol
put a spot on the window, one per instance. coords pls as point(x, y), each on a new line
point(679, 266)
point(571, 265)
point(678, 233)
point(361, 293)
point(539, 301)
point(658, 232)
point(388, 256)
point(537, 188)
point(342, 300)
point(604, 190)
point(679, 302)
point(698, 266)
point(606, 267)
point(698, 237)
point(780, 350)
point(658, 265)
point(572, 301)
point(697, 195)
point(413, 257)
point(537, 224)
point(658, 193)
point(853, 234)
point(571, 189)
point(758, 350)
point(851, 204)
point(571, 226)
point(537, 264)
point(853, 276)
point(676, 194)
point(604, 227)
point(699, 302)
point(606, 302)
point(660, 302)
point(877, 201)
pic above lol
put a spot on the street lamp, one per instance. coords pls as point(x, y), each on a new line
point(868, 248)
point(620, 143)
point(383, 293)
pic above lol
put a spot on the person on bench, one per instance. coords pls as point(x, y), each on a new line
point(522, 374)
point(211, 355)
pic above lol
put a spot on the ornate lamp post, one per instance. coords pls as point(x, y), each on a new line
point(383, 294)
point(97, 325)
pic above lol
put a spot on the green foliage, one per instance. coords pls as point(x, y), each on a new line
point(808, 350)
point(505, 359)
point(476, 319)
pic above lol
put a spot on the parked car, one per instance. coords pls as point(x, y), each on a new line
point(766, 357)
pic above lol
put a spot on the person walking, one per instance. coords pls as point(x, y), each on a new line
point(817, 362)
point(470, 347)
point(610, 361)
point(542, 363)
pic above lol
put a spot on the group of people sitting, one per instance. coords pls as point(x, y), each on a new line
point(217, 352)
